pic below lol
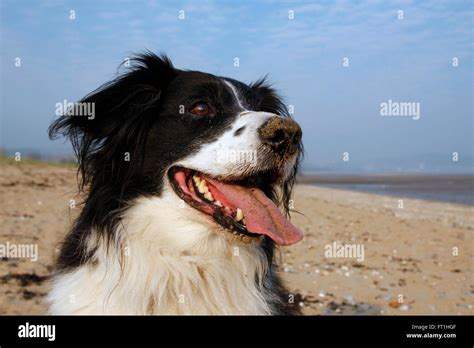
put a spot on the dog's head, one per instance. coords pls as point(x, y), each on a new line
point(225, 151)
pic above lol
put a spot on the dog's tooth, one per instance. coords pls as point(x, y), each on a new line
point(200, 187)
point(240, 215)
point(196, 179)
point(208, 196)
point(203, 187)
point(218, 203)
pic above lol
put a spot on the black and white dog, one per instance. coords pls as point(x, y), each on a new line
point(183, 172)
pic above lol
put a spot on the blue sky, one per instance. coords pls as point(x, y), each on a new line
point(406, 60)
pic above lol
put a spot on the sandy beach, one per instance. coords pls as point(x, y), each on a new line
point(417, 258)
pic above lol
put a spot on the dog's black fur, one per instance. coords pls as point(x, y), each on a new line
point(138, 113)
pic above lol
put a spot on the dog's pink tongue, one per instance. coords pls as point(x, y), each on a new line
point(261, 215)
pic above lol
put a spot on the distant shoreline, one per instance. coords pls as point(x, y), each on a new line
point(443, 188)
point(378, 178)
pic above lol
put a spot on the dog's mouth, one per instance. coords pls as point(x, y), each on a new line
point(237, 205)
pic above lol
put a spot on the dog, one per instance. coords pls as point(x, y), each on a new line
point(182, 174)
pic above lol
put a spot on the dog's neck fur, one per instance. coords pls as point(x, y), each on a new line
point(165, 266)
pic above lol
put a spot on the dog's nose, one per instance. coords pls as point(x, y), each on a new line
point(281, 134)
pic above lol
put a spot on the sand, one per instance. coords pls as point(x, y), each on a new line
point(409, 265)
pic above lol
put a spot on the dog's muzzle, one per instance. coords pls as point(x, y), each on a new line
point(281, 134)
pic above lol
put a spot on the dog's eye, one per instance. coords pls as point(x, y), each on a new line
point(200, 109)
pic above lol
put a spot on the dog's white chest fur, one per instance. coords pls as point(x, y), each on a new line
point(173, 268)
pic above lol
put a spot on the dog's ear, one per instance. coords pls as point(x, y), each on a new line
point(122, 111)
point(268, 98)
